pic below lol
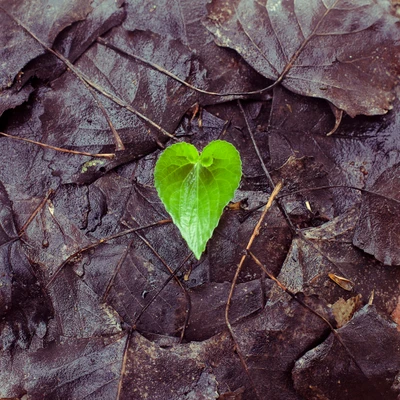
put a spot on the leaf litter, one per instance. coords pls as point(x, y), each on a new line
point(99, 295)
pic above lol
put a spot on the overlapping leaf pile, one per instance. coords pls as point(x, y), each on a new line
point(100, 297)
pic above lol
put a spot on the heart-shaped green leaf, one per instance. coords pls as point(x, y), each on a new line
point(195, 188)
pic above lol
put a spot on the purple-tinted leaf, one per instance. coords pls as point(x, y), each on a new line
point(378, 228)
point(207, 321)
point(189, 371)
point(345, 52)
point(45, 19)
point(329, 371)
point(13, 97)
point(271, 340)
point(221, 70)
point(329, 249)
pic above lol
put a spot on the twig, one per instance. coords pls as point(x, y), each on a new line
point(255, 233)
point(36, 211)
point(124, 361)
point(94, 85)
point(48, 146)
point(176, 78)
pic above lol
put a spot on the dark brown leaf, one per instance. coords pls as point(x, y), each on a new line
point(327, 372)
point(378, 228)
point(190, 371)
point(45, 20)
point(208, 303)
point(269, 341)
point(345, 52)
point(24, 306)
point(221, 70)
point(329, 249)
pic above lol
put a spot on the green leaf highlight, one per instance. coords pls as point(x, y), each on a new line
point(195, 188)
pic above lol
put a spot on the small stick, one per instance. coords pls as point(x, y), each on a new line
point(124, 361)
point(84, 79)
point(255, 233)
point(35, 212)
point(48, 146)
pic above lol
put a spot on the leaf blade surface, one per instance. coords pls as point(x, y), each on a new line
point(195, 188)
point(344, 52)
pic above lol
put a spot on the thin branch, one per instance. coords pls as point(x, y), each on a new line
point(60, 149)
point(230, 96)
point(49, 194)
point(92, 84)
point(124, 361)
point(255, 233)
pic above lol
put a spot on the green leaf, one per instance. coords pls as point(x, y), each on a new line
point(195, 188)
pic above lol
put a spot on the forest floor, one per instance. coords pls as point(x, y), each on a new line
point(100, 296)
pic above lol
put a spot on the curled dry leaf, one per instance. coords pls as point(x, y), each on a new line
point(344, 283)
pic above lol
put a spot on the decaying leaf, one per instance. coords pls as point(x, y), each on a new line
point(378, 228)
point(18, 47)
point(343, 310)
point(370, 373)
point(345, 52)
point(221, 71)
point(199, 370)
point(344, 283)
point(74, 369)
point(328, 249)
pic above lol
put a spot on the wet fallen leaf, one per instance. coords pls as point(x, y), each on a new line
point(18, 46)
point(314, 49)
point(378, 228)
point(370, 372)
point(328, 249)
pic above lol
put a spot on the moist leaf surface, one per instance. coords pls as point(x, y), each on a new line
point(195, 188)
